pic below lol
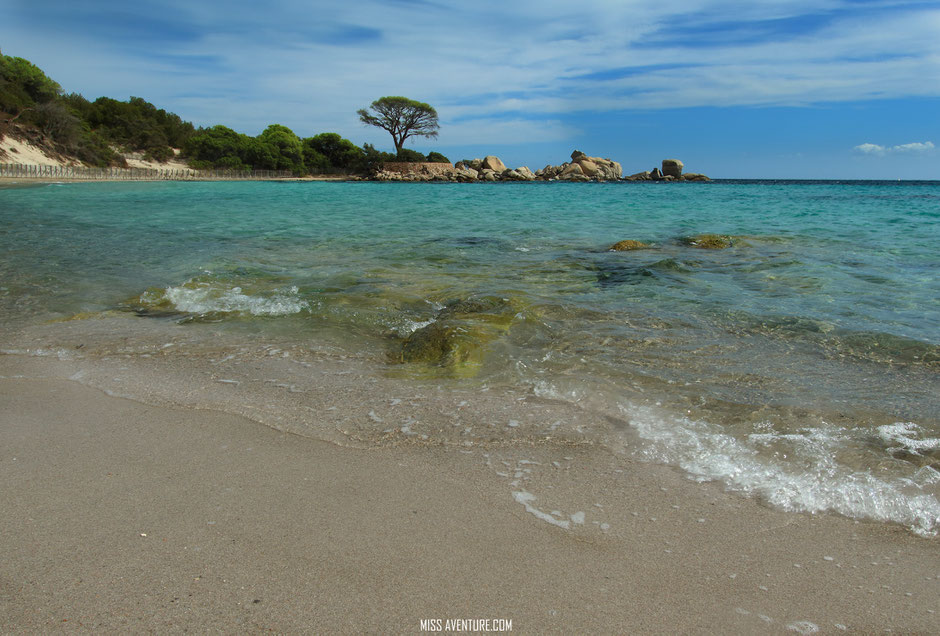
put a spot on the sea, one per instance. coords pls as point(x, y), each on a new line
point(798, 364)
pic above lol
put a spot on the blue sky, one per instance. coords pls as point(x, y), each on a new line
point(735, 88)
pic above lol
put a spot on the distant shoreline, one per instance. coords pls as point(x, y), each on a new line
point(28, 181)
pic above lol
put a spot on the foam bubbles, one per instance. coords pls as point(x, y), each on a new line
point(815, 483)
point(908, 436)
point(526, 498)
point(207, 299)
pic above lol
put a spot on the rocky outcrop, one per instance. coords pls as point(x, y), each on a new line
point(493, 163)
point(582, 167)
point(671, 171)
point(491, 168)
point(426, 171)
point(672, 168)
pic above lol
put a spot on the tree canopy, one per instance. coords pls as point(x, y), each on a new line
point(402, 118)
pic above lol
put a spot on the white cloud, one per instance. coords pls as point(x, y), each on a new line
point(875, 149)
point(914, 147)
point(870, 149)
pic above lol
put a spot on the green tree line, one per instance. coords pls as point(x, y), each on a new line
point(90, 130)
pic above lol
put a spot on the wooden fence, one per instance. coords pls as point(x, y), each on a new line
point(23, 171)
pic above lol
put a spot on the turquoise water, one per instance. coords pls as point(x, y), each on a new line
point(800, 364)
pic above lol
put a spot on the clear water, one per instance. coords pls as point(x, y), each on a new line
point(799, 365)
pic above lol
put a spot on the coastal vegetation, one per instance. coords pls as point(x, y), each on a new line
point(98, 132)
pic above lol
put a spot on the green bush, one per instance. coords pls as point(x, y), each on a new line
point(410, 156)
point(373, 158)
point(436, 157)
point(331, 153)
point(160, 155)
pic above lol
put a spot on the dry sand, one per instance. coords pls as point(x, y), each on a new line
point(22, 152)
point(117, 516)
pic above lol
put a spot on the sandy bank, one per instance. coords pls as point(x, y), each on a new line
point(118, 516)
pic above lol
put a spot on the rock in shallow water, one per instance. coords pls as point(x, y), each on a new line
point(708, 241)
point(628, 245)
point(457, 338)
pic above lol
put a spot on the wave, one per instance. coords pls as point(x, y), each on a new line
point(205, 298)
point(810, 480)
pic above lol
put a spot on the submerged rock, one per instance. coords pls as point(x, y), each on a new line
point(153, 303)
point(443, 343)
point(708, 241)
point(628, 245)
point(457, 338)
point(484, 307)
point(612, 274)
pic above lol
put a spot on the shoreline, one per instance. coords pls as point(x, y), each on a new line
point(122, 515)
point(46, 180)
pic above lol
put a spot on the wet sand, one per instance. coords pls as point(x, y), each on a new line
point(119, 516)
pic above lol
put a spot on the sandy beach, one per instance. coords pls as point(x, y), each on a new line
point(125, 517)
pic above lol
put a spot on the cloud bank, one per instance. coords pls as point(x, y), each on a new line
point(488, 59)
point(877, 150)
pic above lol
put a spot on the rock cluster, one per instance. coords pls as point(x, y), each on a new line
point(403, 171)
point(583, 168)
point(491, 168)
point(580, 168)
point(671, 171)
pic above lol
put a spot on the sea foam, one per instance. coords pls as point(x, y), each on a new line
point(816, 483)
point(207, 299)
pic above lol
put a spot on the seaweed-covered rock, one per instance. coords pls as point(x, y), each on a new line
point(477, 307)
point(708, 241)
point(444, 343)
point(628, 245)
point(457, 339)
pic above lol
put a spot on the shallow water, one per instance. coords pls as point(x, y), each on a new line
point(799, 365)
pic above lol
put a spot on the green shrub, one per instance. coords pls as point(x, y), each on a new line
point(373, 158)
point(436, 157)
point(160, 154)
point(330, 153)
point(410, 156)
